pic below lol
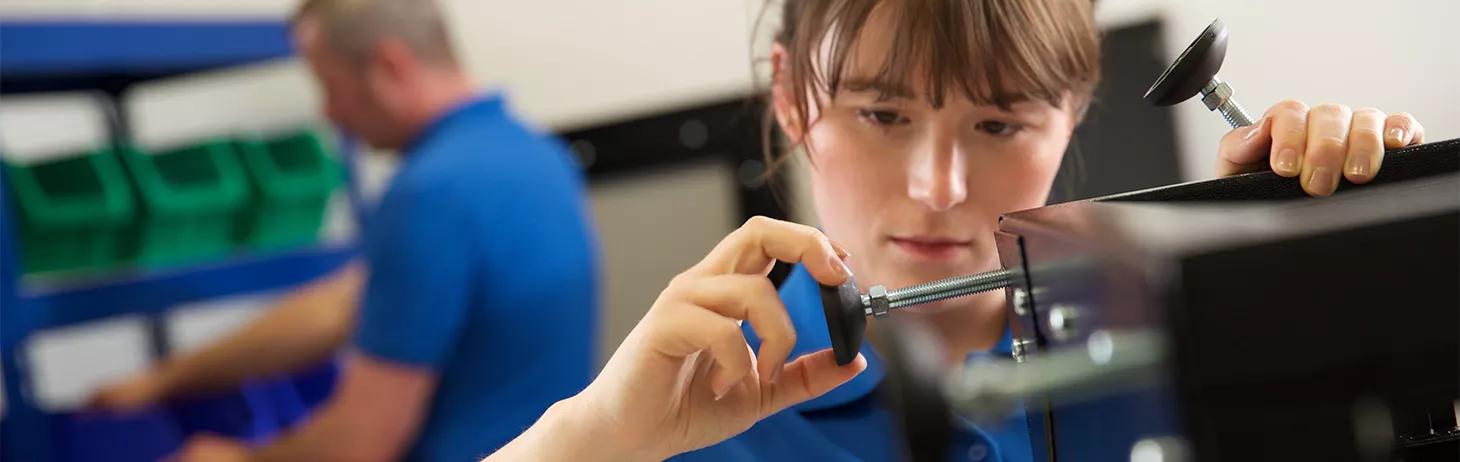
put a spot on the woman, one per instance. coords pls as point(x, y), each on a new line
point(922, 122)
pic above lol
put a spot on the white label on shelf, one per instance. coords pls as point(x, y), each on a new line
point(51, 126)
point(196, 325)
point(246, 100)
point(68, 364)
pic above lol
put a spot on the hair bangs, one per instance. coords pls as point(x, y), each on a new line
point(990, 52)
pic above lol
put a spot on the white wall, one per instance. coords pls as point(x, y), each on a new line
point(570, 63)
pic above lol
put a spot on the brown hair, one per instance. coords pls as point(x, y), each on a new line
point(995, 52)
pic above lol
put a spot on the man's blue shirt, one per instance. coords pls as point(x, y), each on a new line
point(483, 269)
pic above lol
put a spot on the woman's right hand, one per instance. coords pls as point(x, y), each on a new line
point(685, 378)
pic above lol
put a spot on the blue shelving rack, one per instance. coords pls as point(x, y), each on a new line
point(39, 50)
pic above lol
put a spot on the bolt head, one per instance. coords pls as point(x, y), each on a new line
point(1021, 302)
point(1062, 321)
point(878, 296)
point(1019, 348)
point(1160, 449)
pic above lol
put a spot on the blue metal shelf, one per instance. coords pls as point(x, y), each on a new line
point(155, 292)
point(119, 52)
point(72, 47)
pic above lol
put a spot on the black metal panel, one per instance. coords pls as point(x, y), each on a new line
point(1124, 144)
point(727, 132)
point(1283, 343)
point(1329, 329)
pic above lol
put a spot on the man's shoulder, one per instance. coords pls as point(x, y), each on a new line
point(490, 138)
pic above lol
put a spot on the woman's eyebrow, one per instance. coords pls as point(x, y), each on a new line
point(883, 89)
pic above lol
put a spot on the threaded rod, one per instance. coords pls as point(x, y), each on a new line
point(1235, 115)
point(944, 289)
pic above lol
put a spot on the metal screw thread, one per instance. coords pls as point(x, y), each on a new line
point(1234, 113)
point(949, 288)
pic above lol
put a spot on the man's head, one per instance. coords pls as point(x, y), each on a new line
point(386, 67)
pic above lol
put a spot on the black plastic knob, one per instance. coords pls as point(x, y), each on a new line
point(846, 319)
point(1193, 69)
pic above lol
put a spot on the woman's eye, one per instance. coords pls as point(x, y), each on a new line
point(997, 128)
point(881, 117)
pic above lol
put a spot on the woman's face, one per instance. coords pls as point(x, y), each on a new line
point(914, 192)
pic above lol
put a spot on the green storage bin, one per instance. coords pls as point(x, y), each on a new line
point(291, 178)
point(190, 198)
point(73, 213)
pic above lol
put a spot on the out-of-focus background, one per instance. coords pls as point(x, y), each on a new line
point(656, 97)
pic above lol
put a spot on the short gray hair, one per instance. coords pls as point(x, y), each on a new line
point(353, 27)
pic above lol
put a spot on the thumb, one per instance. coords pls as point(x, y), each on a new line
point(811, 376)
point(1242, 149)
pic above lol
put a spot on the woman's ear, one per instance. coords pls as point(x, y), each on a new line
point(783, 99)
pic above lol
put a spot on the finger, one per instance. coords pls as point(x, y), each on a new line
point(1401, 129)
point(754, 298)
point(1243, 149)
point(1365, 146)
point(733, 364)
point(810, 376)
point(690, 329)
point(1328, 126)
point(1289, 132)
point(761, 241)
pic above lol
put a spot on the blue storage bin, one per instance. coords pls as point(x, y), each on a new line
point(140, 437)
point(256, 414)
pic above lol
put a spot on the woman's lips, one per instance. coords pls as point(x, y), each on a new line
point(932, 248)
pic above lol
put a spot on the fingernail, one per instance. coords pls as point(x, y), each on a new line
point(1252, 131)
point(1396, 134)
point(839, 266)
point(1322, 181)
point(721, 390)
point(840, 252)
point(1287, 161)
point(1358, 167)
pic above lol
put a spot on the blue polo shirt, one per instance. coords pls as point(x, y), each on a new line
point(482, 269)
point(850, 423)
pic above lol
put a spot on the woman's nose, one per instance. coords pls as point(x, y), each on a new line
point(937, 178)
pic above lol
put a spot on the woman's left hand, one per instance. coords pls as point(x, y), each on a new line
point(1317, 145)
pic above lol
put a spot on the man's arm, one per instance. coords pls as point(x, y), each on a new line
point(373, 416)
point(302, 330)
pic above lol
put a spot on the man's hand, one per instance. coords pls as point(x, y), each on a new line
point(212, 448)
point(134, 393)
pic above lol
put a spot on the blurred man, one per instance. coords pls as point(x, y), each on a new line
point(478, 309)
